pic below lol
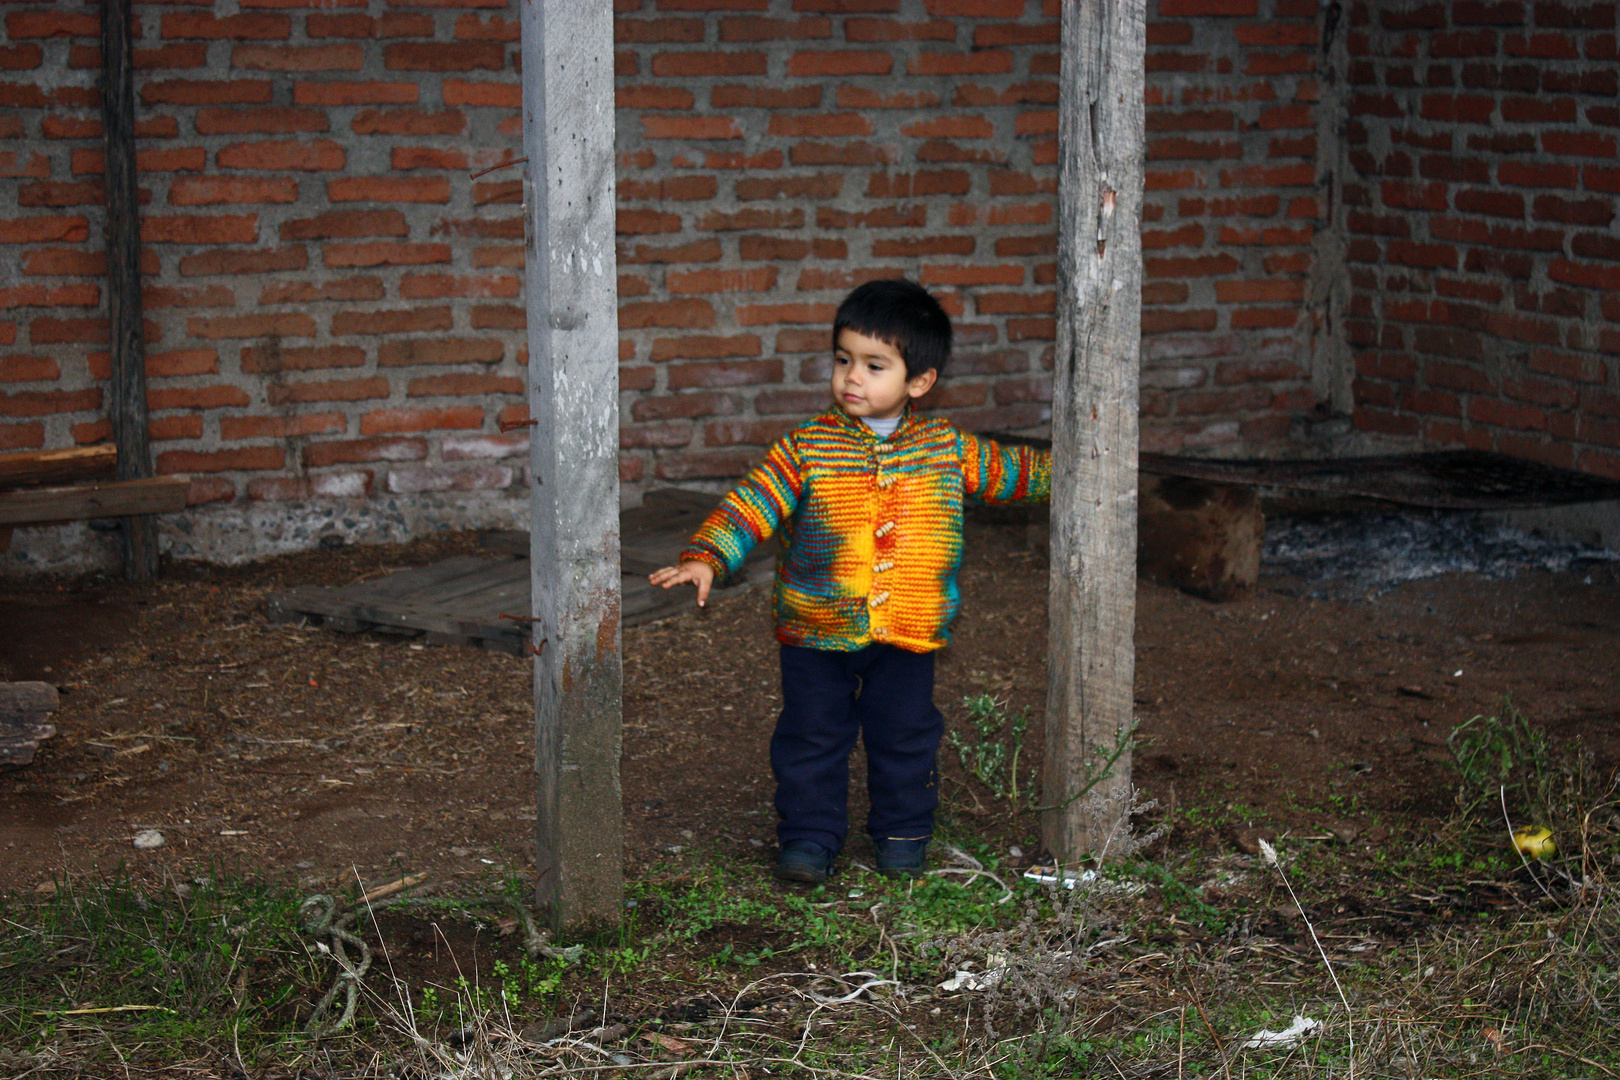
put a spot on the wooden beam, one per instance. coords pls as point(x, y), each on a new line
point(1094, 424)
point(116, 498)
point(128, 386)
point(567, 50)
point(57, 466)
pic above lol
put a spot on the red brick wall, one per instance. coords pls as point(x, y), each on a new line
point(1485, 138)
point(772, 155)
point(334, 302)
point(332, 305)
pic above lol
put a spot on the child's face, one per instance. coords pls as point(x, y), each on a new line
point(869, 377)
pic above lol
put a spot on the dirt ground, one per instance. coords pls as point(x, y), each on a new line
point(315, 757)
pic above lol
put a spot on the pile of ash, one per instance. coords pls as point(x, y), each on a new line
point(1363, 555)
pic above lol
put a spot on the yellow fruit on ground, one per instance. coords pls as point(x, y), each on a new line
point(1535, 842)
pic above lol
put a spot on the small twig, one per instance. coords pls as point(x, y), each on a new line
point(493, 168)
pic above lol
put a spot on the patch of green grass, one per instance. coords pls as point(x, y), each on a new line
point(208, 959)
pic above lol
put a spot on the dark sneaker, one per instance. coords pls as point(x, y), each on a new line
point(804, 861)
point(901, 857)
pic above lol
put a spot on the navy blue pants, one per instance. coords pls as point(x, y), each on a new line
point(886, 696)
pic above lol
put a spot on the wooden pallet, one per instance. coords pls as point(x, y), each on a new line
point(479, 600)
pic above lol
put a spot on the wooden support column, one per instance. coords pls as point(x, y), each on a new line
point(1094, 422)
point(571, 284)
point(127, 392)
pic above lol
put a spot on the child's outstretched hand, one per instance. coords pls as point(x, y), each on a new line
point(700, 574)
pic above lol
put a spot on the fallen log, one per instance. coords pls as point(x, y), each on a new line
point(29, 467)
point(113, 498)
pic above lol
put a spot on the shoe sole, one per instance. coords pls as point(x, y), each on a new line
point(802, 875)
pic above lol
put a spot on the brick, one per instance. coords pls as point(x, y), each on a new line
point(757, 279)
point(264, 121)
point(433, 286)
point(413, 352)
point(243, 459)
point(382, 253)
point(854, 154)
point(464, 383)
point(839, 63)
point(256, 26)
point(825, 125)
point(234, 428)
point(484, 447)
point(362, 451)
point(468, 92)
point(29, 369)
point(48, 24)
point(206, 92)
point(318, 156)
point(501, 318)
point(745, 28)
point(706, 465)
point(981, 62)
point(705, 347)
point(818, 188)
point(400, 421)
point(44, 229)
point(721, 374)
point(477, 477)
point(690, 127)
point(346, 224)
point(861, 97)
point(409, 122)
point(687, 314)
point(328, 391)
point(49, 194)
point(85, 295)
point(48, 330)
point(333, 94)
point(286, 324)
point(22, 436)
point(654, 97)
point(701, 64)
point(752, 218)
point(471, 27)
point(196, 229)
point(414, 320)
point(49, 402)
point(15, 164)
point(669, 188)
point(330, 57)
point(757, 97)
point(767, 314)
point(919, 246)
point(309, 292)
point(445, 56)
point(882, 185)
point(219, 190)
point(207, 489)
point(154, 297)
point(665, 436)
point(268, 260)
point(627, 31)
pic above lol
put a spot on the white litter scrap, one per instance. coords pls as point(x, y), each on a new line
point(1048, 875)
point(1290, 1036)
point(972, 980)
point(147, 839)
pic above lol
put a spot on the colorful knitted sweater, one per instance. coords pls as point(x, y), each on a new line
point(870, 529)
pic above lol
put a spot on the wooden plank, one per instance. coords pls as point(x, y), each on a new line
point(57, 466)
point(573, 396)
point(113, 498)
point(1092, 597)
point(127, 386)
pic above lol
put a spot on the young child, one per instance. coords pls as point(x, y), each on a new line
point(867, 501)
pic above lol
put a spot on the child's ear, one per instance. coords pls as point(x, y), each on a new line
point(923, 383)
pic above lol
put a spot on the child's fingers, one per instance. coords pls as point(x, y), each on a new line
point(703, 590)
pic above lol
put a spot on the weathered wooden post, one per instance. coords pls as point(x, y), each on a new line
point(1094, 419)
point(567, 51)
point(127, 389)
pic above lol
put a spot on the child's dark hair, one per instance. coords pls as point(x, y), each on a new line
point(899, 313)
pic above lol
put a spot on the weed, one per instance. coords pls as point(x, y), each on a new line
point(1501, 752)
point(992, 755)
